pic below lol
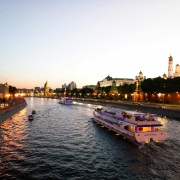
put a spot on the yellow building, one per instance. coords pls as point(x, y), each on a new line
point(4, 90)
point(46, 89)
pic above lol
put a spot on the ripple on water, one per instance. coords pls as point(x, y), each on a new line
point(63, 142)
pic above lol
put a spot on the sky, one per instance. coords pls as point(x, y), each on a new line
point(84, 41)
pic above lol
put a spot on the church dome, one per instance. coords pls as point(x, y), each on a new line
point(140, 73)
point(170, 58)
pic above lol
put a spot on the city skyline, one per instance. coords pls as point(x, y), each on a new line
point(84, 41)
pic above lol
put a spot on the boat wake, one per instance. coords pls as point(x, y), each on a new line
point(150, 149)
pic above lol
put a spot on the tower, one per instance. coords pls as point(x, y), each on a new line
point(170, 67)
point(46, 89)
point(97, 89)
point(113, 91)
point(139, 79)
point(138, 94)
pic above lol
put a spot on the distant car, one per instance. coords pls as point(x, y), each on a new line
point(162, 106)
point(137, 103)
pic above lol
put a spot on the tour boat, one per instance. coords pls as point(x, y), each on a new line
point(65, 100)
point(138, 127)
point(30, 117)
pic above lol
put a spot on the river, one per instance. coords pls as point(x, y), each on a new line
point(63, 142)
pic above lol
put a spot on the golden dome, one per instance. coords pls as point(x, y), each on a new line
point(140, 73)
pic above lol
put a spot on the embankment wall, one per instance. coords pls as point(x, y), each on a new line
point(168, 112)
point(7, 114)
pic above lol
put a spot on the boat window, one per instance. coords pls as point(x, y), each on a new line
point(151, 118)
point(126, 115)
point(129, 116)
point(140, 129)
point(137, 118)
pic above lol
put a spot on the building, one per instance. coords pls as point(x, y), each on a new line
point(90, 86)
point(72, 85)
point(97, 89)
point(113, 90)
point(46, 89)
point(172, 74)
point(24, 92)
point(4, 90)
point(119, 81)
point(64, 86)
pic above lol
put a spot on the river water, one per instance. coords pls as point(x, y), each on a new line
point(63, 142)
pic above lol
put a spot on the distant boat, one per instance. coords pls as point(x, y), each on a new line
point(30, 117)
point(65, 100)
point(33, 112)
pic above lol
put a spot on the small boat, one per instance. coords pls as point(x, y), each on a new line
point(65, 100)
point(30, 117)
point(33, 112)
point(138, 127)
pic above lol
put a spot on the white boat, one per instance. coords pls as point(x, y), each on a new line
point(139, 127)
point(65, 100)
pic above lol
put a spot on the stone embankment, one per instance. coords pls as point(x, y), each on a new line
point(12, 110)
point(172, 113)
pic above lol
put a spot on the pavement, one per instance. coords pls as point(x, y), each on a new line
point(8, 105)
point(147, 104)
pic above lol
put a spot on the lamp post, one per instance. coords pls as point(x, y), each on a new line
point(163, 98)
point(132, 96)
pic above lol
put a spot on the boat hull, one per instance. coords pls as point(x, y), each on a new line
point(158, 136)
point(116, 129)
point(66, 103)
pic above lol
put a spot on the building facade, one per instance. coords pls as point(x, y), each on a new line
point(171, 73)
point(119, 81)
point(46, 89)
point(4, 90)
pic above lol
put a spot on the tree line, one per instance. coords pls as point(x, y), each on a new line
point(158, 85)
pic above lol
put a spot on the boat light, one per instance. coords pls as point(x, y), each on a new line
point(156, 141)
point(117, 134)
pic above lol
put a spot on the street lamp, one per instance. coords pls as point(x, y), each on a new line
point(163, 98)
point(132, 96)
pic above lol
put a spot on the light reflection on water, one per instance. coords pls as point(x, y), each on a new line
point(64, 143)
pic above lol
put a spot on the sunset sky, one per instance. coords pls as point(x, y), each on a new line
point(84, 41)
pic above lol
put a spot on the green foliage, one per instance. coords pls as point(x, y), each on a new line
point(86, 90)
point(12, 90)
point(106, 89)
point(161, 85)
point(126, 88)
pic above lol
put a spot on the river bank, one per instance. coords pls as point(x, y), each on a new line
point(172, 113)
point(11, 110)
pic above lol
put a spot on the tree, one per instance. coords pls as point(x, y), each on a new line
point(12, 90)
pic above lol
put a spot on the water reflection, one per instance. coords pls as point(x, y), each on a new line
point(64, 143)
